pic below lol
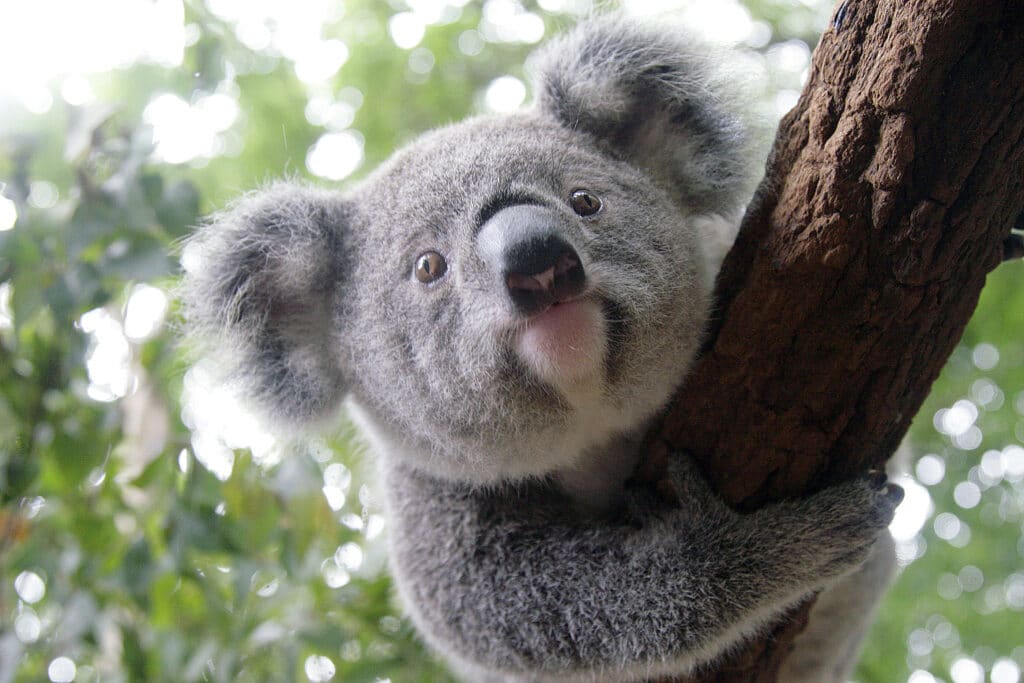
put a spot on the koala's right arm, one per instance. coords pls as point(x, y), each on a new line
point(505, 581)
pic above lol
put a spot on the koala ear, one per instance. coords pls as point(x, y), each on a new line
point(260, 294)
point(656, 97)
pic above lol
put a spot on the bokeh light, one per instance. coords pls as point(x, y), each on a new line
point(89, 38)
point(319, 668)
point(30, 587)
point(62, 670)
point(8, 214)
point(335, 156)
point(505, 94)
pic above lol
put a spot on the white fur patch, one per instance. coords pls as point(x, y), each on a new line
point(565, 345)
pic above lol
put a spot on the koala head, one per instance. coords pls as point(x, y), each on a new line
point(503, 293)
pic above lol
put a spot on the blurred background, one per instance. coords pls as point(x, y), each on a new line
point(150, 530)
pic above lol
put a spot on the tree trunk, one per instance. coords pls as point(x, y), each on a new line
point(891, 188)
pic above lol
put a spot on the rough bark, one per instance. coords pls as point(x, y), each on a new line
point(892, 186)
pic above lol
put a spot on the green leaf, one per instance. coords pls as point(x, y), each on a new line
point(137, 570)
point(85, 281)
point(18, 471)
point(92, 221)
point(76, 458)
point(152, 185)
point(85, 121)
point(134, 655)
point(178, 209)
point(139, 256)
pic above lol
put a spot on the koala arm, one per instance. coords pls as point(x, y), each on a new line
point(502, 580)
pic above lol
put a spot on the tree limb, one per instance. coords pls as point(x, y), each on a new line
point(890, 191)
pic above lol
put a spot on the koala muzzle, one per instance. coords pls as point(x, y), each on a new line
point(537, 265)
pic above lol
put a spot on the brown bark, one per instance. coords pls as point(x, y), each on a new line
point(892, 186)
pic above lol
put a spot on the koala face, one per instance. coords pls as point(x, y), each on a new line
point(504, 293)
point(564, 300)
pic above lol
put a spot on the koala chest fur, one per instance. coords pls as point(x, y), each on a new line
point(505, 304)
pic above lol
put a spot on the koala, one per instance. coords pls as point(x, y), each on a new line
point(505, 305)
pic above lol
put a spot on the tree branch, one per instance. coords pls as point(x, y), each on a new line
point(891, 189)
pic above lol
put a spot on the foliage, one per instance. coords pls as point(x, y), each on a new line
point(128, 553)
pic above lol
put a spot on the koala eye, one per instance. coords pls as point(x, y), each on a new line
point(585, 202)
point(430, 266)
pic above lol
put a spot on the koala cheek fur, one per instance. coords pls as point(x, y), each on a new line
point(506, 303)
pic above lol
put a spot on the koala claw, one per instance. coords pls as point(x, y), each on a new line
point(884, 498)
point(895, 493)
point(879, 481)
point(1013, 247)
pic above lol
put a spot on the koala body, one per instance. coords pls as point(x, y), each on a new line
point(506, 303)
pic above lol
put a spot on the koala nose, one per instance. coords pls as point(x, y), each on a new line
point(541, 271)
point(538, 266)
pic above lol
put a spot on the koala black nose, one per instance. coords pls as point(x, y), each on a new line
point(541, 271)
point(538, 266)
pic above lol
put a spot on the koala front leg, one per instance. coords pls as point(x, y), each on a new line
point(501, 581)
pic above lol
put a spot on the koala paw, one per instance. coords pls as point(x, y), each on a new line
point(850, 516)
point(887, 496)
point(831, 532)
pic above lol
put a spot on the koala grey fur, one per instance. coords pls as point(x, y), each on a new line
point(507, 430)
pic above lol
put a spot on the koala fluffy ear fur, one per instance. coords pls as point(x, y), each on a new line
point(657, 100)
point(261, 291)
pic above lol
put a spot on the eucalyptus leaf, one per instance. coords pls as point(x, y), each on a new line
point(178, 208)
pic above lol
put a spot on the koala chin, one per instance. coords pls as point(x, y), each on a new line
point(504, 305)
